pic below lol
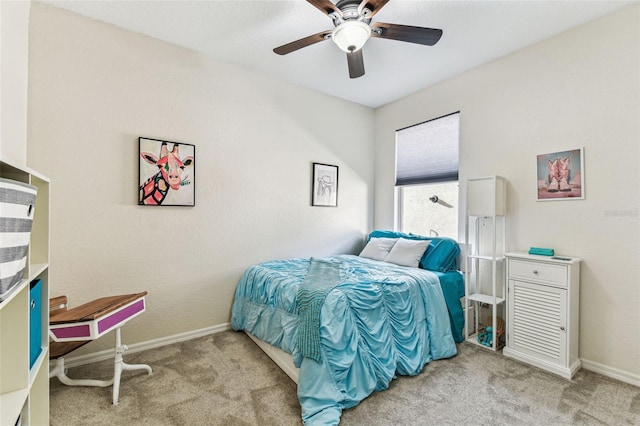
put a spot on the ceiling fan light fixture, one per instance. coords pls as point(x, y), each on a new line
point(350, 36)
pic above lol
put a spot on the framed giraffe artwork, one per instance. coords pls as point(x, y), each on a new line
point(324, 185)
point(166, 173)
point(561, 175)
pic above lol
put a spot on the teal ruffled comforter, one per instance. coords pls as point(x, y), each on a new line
point(382, 320)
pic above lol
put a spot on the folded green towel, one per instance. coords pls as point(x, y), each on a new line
point(323, 275)
point(541, 251)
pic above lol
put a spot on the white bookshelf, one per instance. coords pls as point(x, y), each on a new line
point(485, 227)
point(24, 390)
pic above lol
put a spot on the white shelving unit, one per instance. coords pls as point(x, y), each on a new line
point(485, 228)
point(24, 390)
point(543, 311)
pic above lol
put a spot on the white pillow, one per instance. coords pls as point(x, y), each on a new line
point(407, 252)
point(378, 248)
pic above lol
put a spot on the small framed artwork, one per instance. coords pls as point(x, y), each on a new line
point(561, 175)
point(166, 173)
point(324, 186)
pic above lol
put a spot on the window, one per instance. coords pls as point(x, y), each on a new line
point(427, 177)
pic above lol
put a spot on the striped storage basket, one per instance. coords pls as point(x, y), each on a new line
point(17, 205)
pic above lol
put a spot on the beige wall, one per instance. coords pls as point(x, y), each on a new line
point(94, 89)
point(579, 89)
point(14, 40)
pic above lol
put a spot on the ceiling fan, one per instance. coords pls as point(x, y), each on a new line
point(353, 27)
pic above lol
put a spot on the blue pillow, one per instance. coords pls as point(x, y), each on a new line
point(441, 255)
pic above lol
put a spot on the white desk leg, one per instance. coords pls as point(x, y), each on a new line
point(61, 374)
point(120, 365)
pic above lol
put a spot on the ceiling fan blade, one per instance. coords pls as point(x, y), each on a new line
point(356, 64)
point(419, 35)
point(326, 6)
point(303, 42)
point(373, 5)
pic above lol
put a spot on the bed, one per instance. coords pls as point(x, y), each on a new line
point(350, 324)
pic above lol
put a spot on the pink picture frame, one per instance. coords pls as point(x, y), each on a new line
point(166, 173)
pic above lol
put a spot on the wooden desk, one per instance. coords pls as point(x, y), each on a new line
point(72, 328)
point(96, 318)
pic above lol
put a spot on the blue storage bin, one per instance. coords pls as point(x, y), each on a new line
point(35, 321)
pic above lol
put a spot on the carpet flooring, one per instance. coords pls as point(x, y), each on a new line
point(225, 379)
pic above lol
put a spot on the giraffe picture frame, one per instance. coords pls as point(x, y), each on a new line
point(324, 185)
point(166, 173)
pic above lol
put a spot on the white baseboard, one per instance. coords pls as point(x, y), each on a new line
point(143, 346)
point(611, 372)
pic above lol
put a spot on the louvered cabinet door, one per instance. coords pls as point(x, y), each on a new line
point(538, 320)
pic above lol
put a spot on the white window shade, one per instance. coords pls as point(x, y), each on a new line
point(428, 152)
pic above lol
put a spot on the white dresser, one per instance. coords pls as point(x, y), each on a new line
point(543, 311)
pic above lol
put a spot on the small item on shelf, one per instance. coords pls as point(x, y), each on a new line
point(541, 251)
point(485, 337)
point(485, 334)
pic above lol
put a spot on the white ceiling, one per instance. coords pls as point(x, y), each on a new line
point(244, 32)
